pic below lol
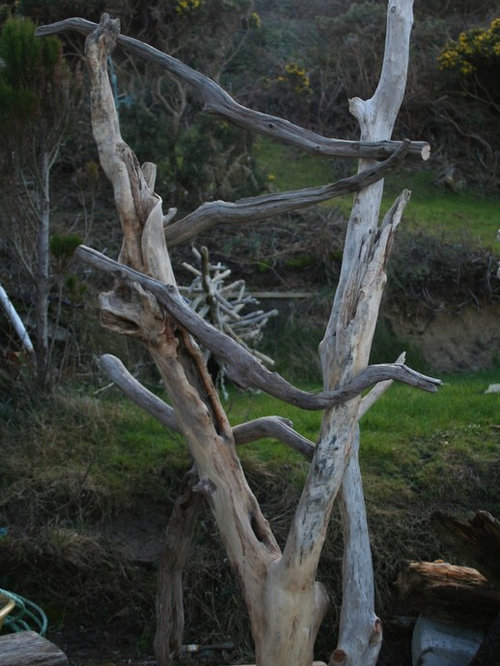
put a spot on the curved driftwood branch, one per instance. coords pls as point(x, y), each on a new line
point(267, 426)
point(218, 102)
point(378, 390)
point(276, 427)
point(242, 366)
point(256, 209)
point(16, 321)
point(138, 393)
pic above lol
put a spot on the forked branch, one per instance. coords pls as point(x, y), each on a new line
point(243, 367)
point(269, 426)
point(217, 101)
point(256, 209)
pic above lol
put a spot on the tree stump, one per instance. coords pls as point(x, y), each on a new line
point(27, 648)
point(449, 593)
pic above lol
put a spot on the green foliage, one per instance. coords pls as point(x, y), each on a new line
point(430, 446)
point(63, 246)
point(475, 58)
point(433, 208)
point(289, 92)
point(349, 44)
point(435, 437)
point(475, 49)
point(340, 45)
point(206, 159)
point(30, 68)
point(183, 7)
point(48, 11)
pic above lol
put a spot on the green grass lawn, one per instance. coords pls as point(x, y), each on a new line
point(409, 438)
point(412, 443)
point(464, 215)
point(83, 459)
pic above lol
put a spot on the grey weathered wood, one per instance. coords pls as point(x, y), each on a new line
point(219, 102)
point(256, 209)
point(16, 321)
point(286, 603)
point(243, 367)
point(27, 648)
point(268, 426)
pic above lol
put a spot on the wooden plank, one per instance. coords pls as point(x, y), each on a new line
point(27, 648)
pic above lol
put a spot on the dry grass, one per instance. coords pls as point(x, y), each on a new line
point(86, 481)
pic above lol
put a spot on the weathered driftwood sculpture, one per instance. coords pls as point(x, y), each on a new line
point(285, 602)
point(228, 306)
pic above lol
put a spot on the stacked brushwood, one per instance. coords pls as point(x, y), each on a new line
point(228, 306)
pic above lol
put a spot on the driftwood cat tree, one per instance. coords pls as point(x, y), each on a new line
point(286, 604)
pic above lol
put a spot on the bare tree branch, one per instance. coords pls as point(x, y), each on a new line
point(256, 209)
point(276, 427)
point(268, 426)
point(377, 391)
point(16, 321)
point(244, 368)
point(217, 101)
point(138, 393)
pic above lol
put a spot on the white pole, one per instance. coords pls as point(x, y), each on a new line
point(16, 321)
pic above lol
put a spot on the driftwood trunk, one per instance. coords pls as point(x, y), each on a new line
point(285, 602)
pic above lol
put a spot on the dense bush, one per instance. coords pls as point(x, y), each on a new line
point(339, 44)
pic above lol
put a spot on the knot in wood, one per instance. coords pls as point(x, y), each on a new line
point(206, 487)
point(338, 657)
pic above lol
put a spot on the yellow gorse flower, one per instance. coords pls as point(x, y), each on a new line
point(296, 76)
point(186, 6)
point(472, 49)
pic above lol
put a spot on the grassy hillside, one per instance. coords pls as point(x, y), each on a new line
point(433, 208)
point(88, 481)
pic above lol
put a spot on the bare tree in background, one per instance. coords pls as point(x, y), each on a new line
point(286, 604)
point(39, 98)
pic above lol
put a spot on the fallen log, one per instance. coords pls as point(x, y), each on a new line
point(27, 648)
point(448, 593)
point(476, 542)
